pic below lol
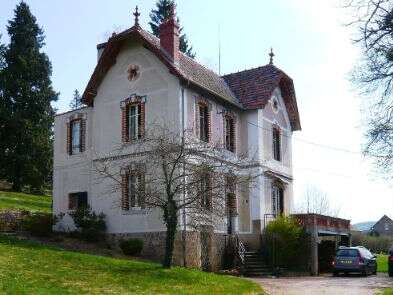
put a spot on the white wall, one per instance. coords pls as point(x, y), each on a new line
point(163, 105)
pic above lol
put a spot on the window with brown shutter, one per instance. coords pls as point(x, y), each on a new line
point(76, 136)
point(77, 200)
point(133, 189)
point(133, 121)
point(229, 130)
point(277, 199)
point(276, 144)
point(204, 122)
point(231, 195)
point(205, 192)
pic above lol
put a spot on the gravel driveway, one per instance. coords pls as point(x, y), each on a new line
point(326, 284)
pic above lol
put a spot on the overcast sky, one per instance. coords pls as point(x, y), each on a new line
point(311, 45)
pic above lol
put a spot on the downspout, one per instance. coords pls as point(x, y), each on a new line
point(184, 183)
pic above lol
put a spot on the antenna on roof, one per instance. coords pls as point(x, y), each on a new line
point(219, 50)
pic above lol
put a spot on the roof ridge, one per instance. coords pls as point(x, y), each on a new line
point(251, 69)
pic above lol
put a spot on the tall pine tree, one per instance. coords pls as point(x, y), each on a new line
point(76, 101)
point(158, 15)
point(3, 111)
point(27, 96)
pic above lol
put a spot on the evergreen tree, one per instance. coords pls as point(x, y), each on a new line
point(27, 95)
point(76, 102)
point(3, 111)
point(158, 15)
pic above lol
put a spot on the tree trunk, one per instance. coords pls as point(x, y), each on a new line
point(170, 217)
point(16, 185)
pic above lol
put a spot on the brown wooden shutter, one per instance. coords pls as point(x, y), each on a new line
point(197, 120)
point(72, 202)
point(82, 146)
point(233, 135)
point(141, 120)
point(125, 204)
point(68, 141)
point(209, 193)
point(141, 190)
point(124, 124)
point(209, 125)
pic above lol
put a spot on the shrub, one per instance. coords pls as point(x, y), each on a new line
point(131, 247)
point(90, 226)
point(286, 243)
point(39, 224)
point(376, 244)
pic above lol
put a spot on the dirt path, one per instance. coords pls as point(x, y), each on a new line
point(325, 285)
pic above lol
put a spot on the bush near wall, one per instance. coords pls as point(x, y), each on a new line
point(376, 244)
point(11, 220)
point(39, 224)
point(91, 227)
point(286, 244)
point(131, 247)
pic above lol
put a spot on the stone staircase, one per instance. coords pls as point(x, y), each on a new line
point(254, 265)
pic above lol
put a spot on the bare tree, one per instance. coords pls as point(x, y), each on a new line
point(179, 176)
point(316, 201)
point(374, 74)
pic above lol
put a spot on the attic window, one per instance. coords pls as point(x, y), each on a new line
point(276, 143)
point(275, 104)
point(133, 72)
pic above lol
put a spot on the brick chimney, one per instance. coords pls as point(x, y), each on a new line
point(169, 36)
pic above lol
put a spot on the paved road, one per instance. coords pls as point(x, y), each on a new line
point(325, 285)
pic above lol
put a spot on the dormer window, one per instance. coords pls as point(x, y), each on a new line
point(204, 122)
point(276, 144)
point(76, 135)
point(229, 126)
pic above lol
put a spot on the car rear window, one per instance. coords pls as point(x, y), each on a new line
point(348, 253)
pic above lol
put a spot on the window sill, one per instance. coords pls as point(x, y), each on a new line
point(133, 141)
point(135, 211)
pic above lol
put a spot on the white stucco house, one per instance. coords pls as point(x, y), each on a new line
point(140, 79)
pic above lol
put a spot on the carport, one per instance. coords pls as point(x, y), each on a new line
point(326, 235)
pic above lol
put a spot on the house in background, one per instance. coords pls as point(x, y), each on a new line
point(140, 79)
point(383, 227)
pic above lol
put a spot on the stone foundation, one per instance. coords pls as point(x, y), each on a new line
point(154, 247)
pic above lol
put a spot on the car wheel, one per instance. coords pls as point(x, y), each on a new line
point(390, 274)
point(335, 273)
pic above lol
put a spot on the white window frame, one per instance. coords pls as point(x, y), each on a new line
point(133, 121)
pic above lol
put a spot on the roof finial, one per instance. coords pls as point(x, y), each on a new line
point(271, 54)
point(136, 17)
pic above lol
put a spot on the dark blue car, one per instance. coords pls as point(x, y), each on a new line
point(354, 260)
point(390, 262)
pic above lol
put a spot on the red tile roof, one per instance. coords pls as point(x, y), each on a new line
point(248, 89)
point(254, 88)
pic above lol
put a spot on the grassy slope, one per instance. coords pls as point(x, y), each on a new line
point(382, 261)
point(12, 200)
point(29, 268)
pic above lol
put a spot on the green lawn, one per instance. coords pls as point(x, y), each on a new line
point(388, 291)
point(30, 268)
point(382, 261)
point(12, 200)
